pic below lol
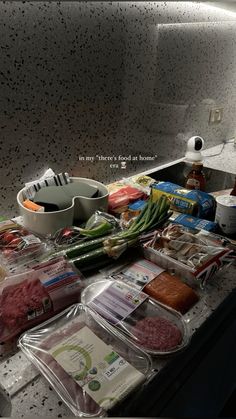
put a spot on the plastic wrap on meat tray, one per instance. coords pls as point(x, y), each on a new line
point(36, 295)
point(154, 327)
point(192, 254)
point(85, 360)
point(156, 282)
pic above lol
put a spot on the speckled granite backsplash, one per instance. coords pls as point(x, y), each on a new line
point(103, 80)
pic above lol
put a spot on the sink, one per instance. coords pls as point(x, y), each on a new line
point(216, 180)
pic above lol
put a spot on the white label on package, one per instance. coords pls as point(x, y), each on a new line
point(31, 239)
point(117, 302)
point(139, 273)
point(96, 367)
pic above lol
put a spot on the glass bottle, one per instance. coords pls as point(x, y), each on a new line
point(196, 178)
point(233, 192)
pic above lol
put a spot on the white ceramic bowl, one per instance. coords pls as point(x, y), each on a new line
point(81, 209)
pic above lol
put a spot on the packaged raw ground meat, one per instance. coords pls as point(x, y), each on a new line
point(157, 333)
point(36, 295)
point(154, 327)
point(90, 365)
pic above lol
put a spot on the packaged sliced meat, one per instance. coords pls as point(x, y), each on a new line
point(118, 201)
point(88, 363)
point(128, 309)
point(31, 297)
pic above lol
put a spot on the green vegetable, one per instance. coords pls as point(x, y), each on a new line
point(151, 215)
point(98, 231)
point(84, 247)
point(89, 259)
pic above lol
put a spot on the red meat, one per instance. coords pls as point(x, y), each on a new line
point(157, 333)
point(124, 197)
point(79, 398)
point(22, 302)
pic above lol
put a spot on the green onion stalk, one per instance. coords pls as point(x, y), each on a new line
point(152, 215)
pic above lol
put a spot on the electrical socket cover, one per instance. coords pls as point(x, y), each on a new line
point(216, 115)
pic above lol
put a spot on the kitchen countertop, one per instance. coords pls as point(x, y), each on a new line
point(221, 157)
point(32, 395)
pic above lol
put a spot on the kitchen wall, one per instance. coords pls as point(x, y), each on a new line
point(104, 89)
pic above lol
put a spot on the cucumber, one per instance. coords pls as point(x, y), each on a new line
point(90, 259)
point(85, 247)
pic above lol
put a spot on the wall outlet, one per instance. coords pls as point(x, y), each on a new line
point(215, 116)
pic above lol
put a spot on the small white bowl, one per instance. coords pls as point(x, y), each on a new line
point(81, 209)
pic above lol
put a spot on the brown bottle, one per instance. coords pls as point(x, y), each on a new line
point(233, 192)
point(196, 178)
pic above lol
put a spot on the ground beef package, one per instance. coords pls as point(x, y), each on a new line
point(31, 297)
point(154, 327)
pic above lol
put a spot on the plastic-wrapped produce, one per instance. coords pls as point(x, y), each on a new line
point(89, 364)
point(17, 246)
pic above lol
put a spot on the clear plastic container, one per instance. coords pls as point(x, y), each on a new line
point(148, 277)
point(18, 247)
point(193, 255)
point(51, 348)
point(152, 326)
point(36, 295)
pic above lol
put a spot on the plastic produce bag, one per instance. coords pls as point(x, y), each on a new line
point(31, 297)
point(99, 224)
point(18, 246)
point(90, 365)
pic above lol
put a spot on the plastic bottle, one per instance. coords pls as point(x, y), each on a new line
point(233, 192)
point(196, 178)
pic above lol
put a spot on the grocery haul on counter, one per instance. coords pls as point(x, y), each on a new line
point(154, 247)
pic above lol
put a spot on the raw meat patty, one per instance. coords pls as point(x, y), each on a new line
point(157, 333)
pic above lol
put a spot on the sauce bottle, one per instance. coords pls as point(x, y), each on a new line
point(196, 178)
point(233, 192)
